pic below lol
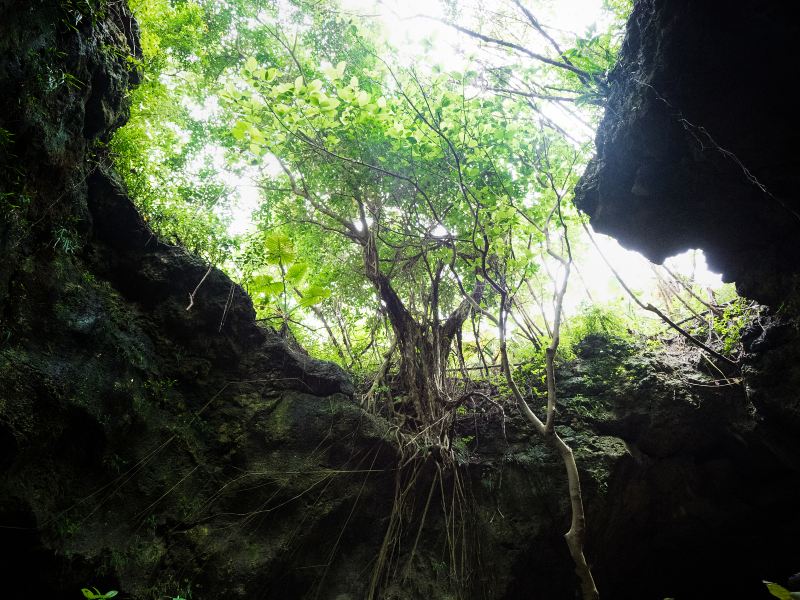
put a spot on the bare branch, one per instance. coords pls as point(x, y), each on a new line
point(649, 307)
point(512, 46)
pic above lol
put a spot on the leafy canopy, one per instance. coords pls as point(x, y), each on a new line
point(448, 169)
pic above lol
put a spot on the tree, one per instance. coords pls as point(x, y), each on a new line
point(392, 166)
point(401, 204)
point(498, 270)
point(395, 166)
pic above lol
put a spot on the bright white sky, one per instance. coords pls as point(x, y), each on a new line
point(635, 270)
point(406, 31)
point(409, 33)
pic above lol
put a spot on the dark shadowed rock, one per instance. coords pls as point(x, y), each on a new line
point(697, 147)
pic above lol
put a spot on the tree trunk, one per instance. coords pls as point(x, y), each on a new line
point(424, 347)
point(423, 368)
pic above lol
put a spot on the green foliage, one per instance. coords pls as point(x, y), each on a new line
point(781, 592)
point(728, 326)
point(341, 140)
point(65, 240)
point(620, 10)
point(77, 12)
point(368, 149)
point(95, 594)
point(12, 195)
point(6, 139)
point(276, 278)
point(594, 319)
point(529, 371)
point(595, 54)
point(587, 408)
point(461, 446)
point(279, 249)
point(170, 153)
point(314, 295)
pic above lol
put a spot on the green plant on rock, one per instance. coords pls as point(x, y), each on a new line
point(65, 240)
point(594, 319)
point(75, 11)
point(729, 324)
point(6, 137)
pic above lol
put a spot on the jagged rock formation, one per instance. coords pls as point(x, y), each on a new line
point(697, 149)
point(163, 451)
point(114, 395)
point(704, 498)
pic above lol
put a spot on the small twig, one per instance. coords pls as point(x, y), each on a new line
point(191, 296)
point(228, 304)
point(650, 308)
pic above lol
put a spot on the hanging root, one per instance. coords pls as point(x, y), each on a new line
point(416, 459)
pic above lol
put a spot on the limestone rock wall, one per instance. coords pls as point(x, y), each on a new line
point(697, 147)
point(697, 150)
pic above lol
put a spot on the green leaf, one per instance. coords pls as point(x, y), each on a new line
point(778, 591)
point(111, 593)
point(329, 104)
point(362, 98)
point(298, 84)
point(87, 593)
point(251, 64)
point(266, 285)
point(280, 248)
point(296, 272)
point(346, 94)
point(397, 130)
point(239, 130)
point(314, 295)
point(257, 136)
point(334, 73)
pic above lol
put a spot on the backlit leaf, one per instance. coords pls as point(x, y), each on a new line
point(778, 591)
point(314, 295)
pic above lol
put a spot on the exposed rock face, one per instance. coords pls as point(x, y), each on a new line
point(697, 147)
point(704, 496)
point(133, 431)
point(164, 451)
